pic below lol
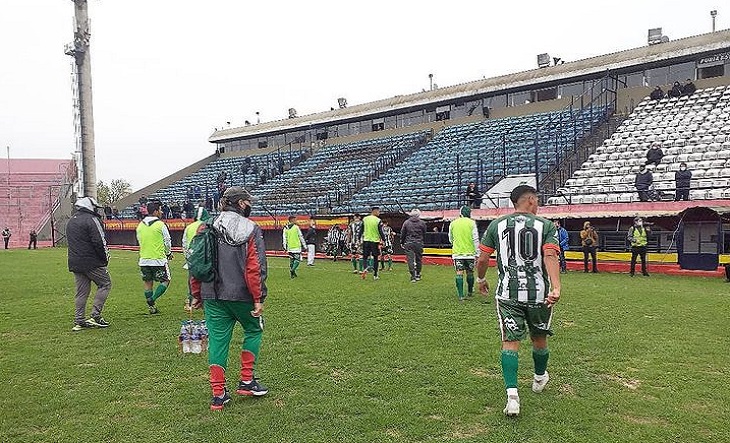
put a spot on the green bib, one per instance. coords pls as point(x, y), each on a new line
point(461, 234)
point(292, 237)
point(370, 229)
point(151, 242)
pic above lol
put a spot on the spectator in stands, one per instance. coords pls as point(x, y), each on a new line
point(166, 211)
point(644, 180)
point(637, 237)
point(115, 212)
point(189, 209)
point(143, 200)
point(189, 193)
point(197, 192)
point(563, 242)
point(676, 90)
point(654, 155)
point(472, 196)
point(657, 94)
point(589, 241)
point(176, 210)
point(6, 236)
point(33, 239)
point(108, 212)
point(689, 88)
point(682, 179)
point(209, 204)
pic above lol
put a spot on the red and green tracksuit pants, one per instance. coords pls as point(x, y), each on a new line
point(220, 317)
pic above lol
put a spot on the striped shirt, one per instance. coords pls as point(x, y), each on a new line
point(520, 240)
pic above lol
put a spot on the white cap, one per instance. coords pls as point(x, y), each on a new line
point(416, 211)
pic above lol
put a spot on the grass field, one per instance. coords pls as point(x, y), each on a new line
point(642, 359)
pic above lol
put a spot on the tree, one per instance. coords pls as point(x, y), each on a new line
point(117, 189)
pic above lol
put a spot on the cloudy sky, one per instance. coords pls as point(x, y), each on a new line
point(165, 72)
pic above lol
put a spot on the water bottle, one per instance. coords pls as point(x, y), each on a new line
point(184, 338)
point(195, 346)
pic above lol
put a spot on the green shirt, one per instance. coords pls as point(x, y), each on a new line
point(520, 240)
point(371, 229)
point(293, 239)
point(464, 238)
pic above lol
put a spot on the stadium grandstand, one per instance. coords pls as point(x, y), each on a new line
point(579, 131)
point(34, 195)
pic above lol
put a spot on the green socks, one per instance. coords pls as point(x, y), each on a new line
point(161, 288)
point(148, 294)
point(470, 282)
point(295, 265)
point(354, 263)
point(540, 357)
point(390, 262)
point(460, 285)
point(509, 368)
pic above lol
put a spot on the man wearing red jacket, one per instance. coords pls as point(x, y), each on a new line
point(237, 294)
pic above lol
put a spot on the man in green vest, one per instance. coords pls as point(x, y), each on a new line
point(637, 237)
point(372, 234)
point(155, 249)
point(464, 239)
point(201, 216)
point(293, 241)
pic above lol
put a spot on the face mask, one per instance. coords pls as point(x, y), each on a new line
point(639, 223)
point(682, 168)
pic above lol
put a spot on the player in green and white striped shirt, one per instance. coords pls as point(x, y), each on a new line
point(528, 287)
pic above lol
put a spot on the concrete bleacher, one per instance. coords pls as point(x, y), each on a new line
point(204, 179)
point(692, 129)
point(333, 174)
point(28, 194)
point(431, 177)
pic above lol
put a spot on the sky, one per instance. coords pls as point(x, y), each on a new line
point(166, 72)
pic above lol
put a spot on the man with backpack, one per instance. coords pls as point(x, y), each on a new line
point(234, 293)
point(201, 216)
point(155, 249)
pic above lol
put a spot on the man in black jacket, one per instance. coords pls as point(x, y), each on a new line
point(411, 239)
point(643, 182)
point(236, 295)
point(682, 179)
point(654, 155)
point(311, 239)
point(657, 94)
point(88, 258)
point(689, 88)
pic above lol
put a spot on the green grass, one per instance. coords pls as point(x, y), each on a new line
point(642, 359)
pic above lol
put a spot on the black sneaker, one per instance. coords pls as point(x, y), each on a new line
point(217, 403)
point(151, 305)
point(252, 388)
point(98, 322)
point(81, 326)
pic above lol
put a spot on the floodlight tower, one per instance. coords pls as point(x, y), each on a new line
point(80, 51)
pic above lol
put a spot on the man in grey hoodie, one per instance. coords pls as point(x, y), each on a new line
point(236, 295)
point(411, 239)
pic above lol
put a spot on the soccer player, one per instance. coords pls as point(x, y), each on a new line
point(353, 238)
point(528, 286)
point(201, 216)
point(155, 249)
point(372, 235)
point(464, 239)
point(236, 296)
point(293, 241)
point(388, 236)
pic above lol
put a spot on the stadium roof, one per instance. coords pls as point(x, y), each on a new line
point(696, 45)
point(596, 211)
point(33, 166)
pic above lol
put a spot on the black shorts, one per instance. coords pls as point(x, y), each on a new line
point(370, 248)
